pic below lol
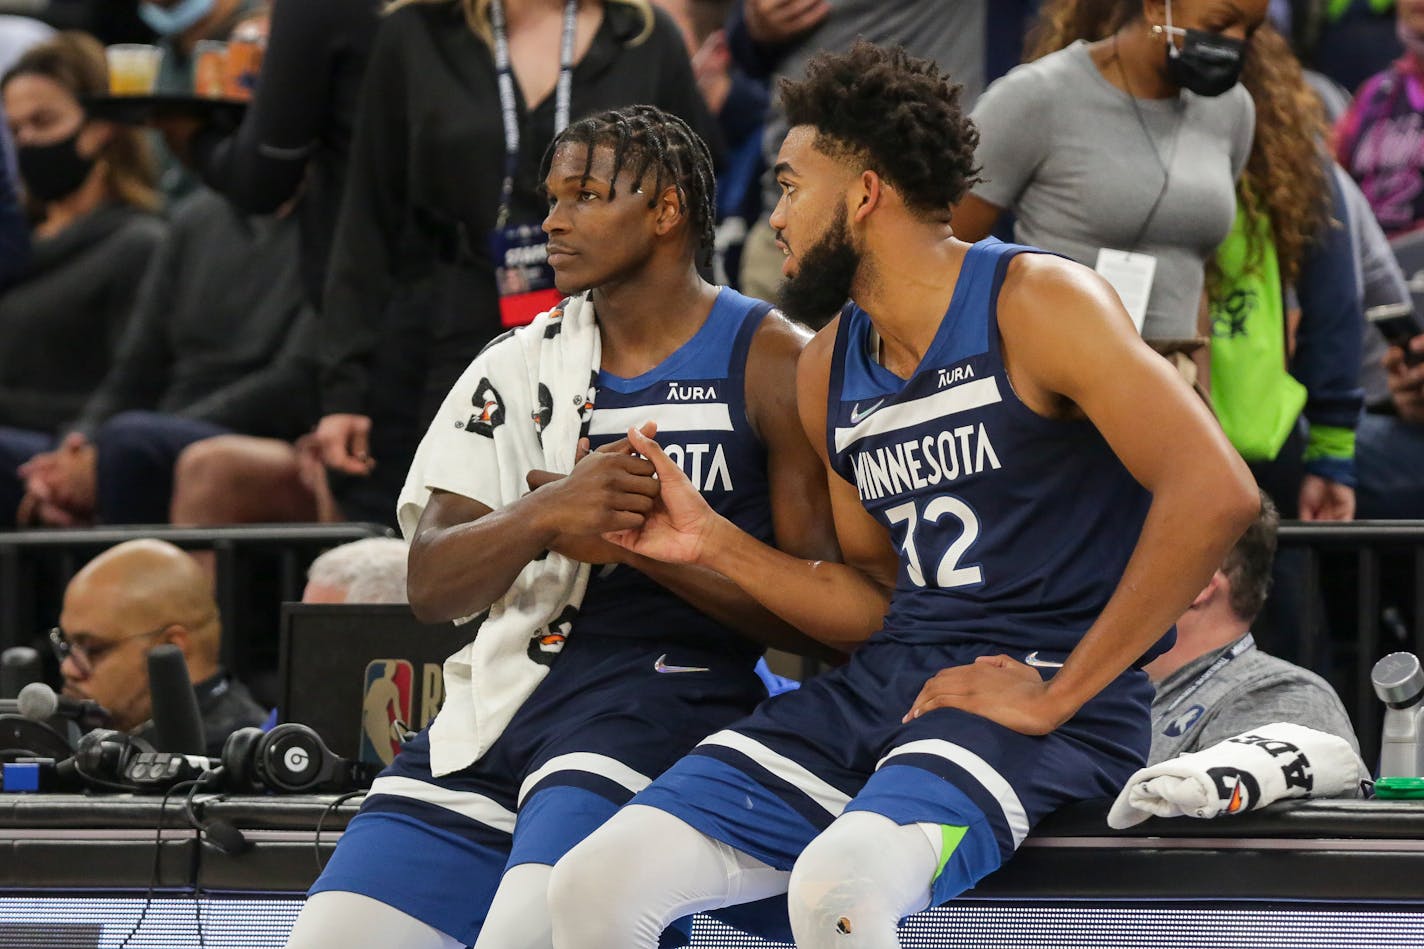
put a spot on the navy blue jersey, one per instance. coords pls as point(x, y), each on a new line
point(1012, 528)
point(698, 398)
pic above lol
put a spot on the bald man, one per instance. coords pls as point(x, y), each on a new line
point(126, 601)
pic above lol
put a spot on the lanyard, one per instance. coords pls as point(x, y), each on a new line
point(1164, 164)
point(1241, 646)
point(509, 111)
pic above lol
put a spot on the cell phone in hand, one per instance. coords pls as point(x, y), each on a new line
point(1398, 324)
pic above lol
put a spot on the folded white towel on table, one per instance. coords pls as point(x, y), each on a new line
point(1244, 773)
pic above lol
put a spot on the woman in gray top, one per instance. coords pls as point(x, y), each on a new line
point(1121, 150)
point(89, 190)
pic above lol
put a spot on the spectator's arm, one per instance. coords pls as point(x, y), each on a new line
point(1327, 356)
point(1406, 383)
point(678, 92)
point(280, 400)
point(361, 277)
point(141, 370)
point(1294, 699)
point(1015, 132)
point(756, 50)
point(261, 166)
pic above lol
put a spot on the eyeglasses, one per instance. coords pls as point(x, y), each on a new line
point(86, 657)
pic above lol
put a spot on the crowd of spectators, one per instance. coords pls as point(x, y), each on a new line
point(206, 323)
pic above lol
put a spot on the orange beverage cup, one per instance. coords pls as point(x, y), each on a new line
point(244, 61)
point(210, 69)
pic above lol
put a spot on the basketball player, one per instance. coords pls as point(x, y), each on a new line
point(659, 656)
point(1035, 491)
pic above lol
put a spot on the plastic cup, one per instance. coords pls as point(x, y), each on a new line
point(133, 69)
point(210, 69)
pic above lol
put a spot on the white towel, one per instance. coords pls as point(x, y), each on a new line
point(522, 404)
point(1240, 774)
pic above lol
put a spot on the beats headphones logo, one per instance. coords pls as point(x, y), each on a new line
point(296, 759)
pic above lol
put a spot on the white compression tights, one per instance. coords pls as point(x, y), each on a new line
point(645, 868)
point(519, 916)
point(855, 882)
point(518, 919)
point(621, 887)
point(338, 920)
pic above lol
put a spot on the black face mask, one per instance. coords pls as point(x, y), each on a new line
point(1207, 64)
point(53, 172)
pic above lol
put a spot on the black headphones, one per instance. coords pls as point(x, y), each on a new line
point(102, 757)
point(289, 759)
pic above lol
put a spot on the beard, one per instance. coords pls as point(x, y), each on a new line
point(821, 284)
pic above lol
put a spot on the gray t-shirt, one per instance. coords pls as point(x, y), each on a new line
point(1062, 148)
point(949, 32)
point(1249, 690)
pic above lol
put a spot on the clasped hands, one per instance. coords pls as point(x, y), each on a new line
point(608, 491)
point(60, 485)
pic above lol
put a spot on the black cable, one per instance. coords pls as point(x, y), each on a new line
point(325, 812)
point(197, 825)
point(157, 858)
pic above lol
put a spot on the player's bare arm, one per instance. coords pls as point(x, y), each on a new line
point(839, 604)
point(464, 555)
point(1071, 351)
point(800, 506)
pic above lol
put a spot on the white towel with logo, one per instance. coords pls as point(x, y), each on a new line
point(520, 405)
point(1244, 773)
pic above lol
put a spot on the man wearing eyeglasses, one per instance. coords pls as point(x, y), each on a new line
point(126, 601)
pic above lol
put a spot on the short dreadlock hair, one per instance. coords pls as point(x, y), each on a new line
point(645, 138)
point(897, 113)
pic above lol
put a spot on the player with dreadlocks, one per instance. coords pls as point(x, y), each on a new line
point(656, 657)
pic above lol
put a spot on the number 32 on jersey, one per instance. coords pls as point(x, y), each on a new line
point(948, 573)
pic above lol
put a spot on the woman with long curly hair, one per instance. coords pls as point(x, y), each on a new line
point(1119, 145)
point(1270, 362)
point(89, 190)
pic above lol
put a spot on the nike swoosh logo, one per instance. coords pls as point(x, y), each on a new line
point(856, 415)
point(662, 666)
point(1032, 660)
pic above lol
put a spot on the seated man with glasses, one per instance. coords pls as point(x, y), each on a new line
point(124, 602)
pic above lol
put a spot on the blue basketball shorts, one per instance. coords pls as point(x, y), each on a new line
point(598, 729)
point(776, 779)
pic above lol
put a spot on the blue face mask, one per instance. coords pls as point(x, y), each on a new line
point(170, 21)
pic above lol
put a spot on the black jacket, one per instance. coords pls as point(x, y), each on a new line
point(220, 331)
point(61, 323)
point(427, 164)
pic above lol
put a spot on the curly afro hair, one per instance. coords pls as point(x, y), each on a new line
point(897, 113)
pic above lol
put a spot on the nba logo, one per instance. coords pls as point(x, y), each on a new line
point(385, 709)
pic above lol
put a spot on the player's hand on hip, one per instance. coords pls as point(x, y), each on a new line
point(345, 441)
point(998, 688)
point(1324, 500)
point(675, 531)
